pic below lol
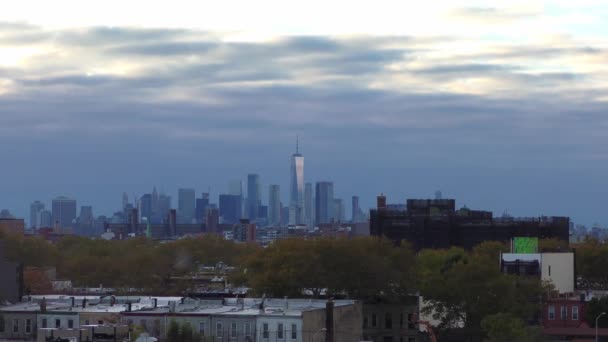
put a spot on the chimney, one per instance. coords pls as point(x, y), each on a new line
point(43, 305)
point(129, 306)
point(72, 300)
point(155, 301)
point(84, 302)
point(381, 201)
point(329, 320)
point(112, 301)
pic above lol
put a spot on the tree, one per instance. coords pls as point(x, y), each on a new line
point(173, 334)
point(465, 287)
point(36, 281)
point(504, 327)
point(594, 308)
point(186, 334)
point(359, 268)
point(592, 264)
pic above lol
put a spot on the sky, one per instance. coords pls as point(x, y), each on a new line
point(502, 107)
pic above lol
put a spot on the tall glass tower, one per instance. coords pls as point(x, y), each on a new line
point(296, 188)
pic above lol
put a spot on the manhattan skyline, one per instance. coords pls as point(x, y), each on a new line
point(500, 106)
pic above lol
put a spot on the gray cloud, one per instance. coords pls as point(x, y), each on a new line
point(197, 110)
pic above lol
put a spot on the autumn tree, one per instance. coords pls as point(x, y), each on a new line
point(357, 268)
point(466, 287)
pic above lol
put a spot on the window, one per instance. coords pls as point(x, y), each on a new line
point(294, 332)
point(70, 324)
point(101, 322)
point(564, 313)
point(411, 322)
point(265, 333)
point(401, 320)
point(219, 330)
point(365, 322)
point(15, 325)
point(575, 313)
point(44, 324)
point(280, 330)
point(551, 312)
point(57, 323)
point(1, 324)
point(411, 339)
point(247, 329)
point(387, 339)
point(28, 326)
point(86, 322)
point(388, 321)
point(549, 270)
point(233, 331)
point(373, 320)
point(201, 328)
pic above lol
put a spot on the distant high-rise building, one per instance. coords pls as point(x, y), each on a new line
point(236, 188)
point(438, 195)
point(230, 208)
point(212, 220)
point(35, 209)
point(308, 205)
point(64, 211)
point(86, 215)
point(355, 208)
point(46, 219)
point(324, 202)
point(145, 207)
point(253, 196)
point(185, 205)
point(284, 215)
point(125, 200)
point(154, 203)
point(201, 207)
point(338, 213)
point(164, 205)
point(296, 188)
point(274, 205)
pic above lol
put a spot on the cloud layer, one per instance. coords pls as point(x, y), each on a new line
point(88, 108)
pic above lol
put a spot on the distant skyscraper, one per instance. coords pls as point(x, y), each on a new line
point(308, 205)
point(125, 200)
point(154, 203)
point(230, 208)
point(338, 213)
point(274, 205)
point(64, 211)
point(35, 209)
point(236, 188)
point(324, 202)
point(186, 205)
point(201, 207)
point(46, 219)
point(145, 207)
point(86, 215)
point(253, 196)
point(164, 205)
point(355, 209)
point(296, 188)
point(438, 195)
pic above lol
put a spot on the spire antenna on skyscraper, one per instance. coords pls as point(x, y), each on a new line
point(297, 144)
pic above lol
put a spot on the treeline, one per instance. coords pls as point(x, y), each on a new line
point(461, 287)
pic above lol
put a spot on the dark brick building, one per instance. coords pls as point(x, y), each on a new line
point(437, 224)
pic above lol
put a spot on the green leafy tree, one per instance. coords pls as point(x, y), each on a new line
point(465, 287)
point(186, 333)
point(504, 327)
point(173, 334)
point(594, 308)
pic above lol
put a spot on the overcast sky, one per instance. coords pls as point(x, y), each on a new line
point(502, 108)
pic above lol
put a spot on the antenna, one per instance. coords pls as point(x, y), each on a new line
point(297, 144)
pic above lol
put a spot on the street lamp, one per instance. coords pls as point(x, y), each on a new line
point(315, 334)
point(596, 322)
